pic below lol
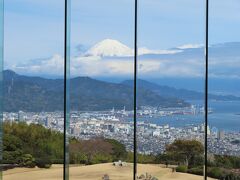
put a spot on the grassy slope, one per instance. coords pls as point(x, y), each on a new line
point(95, 172)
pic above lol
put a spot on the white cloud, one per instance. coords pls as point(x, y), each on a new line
point(118, 62)
point(97, 66)
point(144, 50)
point(94, 66)
point(190, 46)
point(48, 66)
point(112, 66)
point(171, 68)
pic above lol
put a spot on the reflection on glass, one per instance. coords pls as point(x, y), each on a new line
point(224, 121)
point(101, 90)
point(33, 90)
point(170, 129)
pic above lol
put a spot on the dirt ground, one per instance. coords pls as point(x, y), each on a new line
point(96, 172)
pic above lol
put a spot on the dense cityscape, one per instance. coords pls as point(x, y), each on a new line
point(118, 125)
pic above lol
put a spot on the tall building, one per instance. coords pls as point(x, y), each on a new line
point(220, 135)
point(21, 116)
point(208, 130)
point(47, 122)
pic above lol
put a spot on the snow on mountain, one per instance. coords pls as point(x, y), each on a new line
point(110, 48)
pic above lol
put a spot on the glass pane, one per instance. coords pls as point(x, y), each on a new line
point(224, 90)
point(101, 89)
point(171, 64)
point(33, 90)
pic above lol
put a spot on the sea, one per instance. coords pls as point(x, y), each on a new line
point(225, 116)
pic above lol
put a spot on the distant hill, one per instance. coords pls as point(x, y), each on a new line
point(40, 94)
point(31, 93)
point(184, 94)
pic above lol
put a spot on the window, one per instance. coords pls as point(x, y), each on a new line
point(33, 88)
point(119, 89)
point(223, 136)
point(171, 75)
point(101, 89)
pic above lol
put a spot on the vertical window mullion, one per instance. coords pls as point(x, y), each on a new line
point(206, 88)
point(135, 88)
point(67, 25)
point(1, 78)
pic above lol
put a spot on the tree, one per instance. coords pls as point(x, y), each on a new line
point(185, 150)
point(91, 151)
point(27, 145)
point(118, 150)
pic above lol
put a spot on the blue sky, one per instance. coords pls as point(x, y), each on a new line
point(34, 28)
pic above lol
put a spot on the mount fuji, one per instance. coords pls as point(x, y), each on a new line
point(109, 48)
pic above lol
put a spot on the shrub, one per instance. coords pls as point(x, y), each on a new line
point(231, 177)
point(215, 172)
point(27, 161)
point(147, 177)
point(105, 177)
point(44, 163)
point(196, 170)
point(101, 158)
point(182, 169)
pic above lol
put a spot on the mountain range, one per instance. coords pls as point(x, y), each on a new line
point(184, 94)
point(86, 94)
point(36, 94)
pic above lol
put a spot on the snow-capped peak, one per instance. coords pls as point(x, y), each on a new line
point(109, 47)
